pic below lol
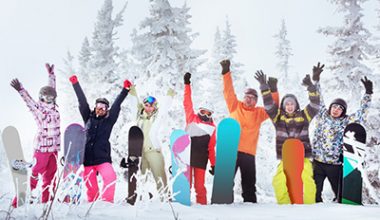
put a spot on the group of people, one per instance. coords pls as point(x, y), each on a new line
point(323, 155)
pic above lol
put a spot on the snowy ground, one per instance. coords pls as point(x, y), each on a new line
point(154, 209)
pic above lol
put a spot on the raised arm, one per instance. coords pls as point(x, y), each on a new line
point(358, 116)
point(270, 106)
point(228, 88)
point(116, 106)
point(313, 107)
point(187, 101)
point(161, 119)
point(30, 103)
point(84, 108)
point(50, 70)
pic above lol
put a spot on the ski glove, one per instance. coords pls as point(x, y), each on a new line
point(368, 85)
point(73, 79)
point(307, 81)
point(261, 77)
point(127, 84)
point(16, 85)
point(132, 90)
point(186, 78)
point(272, 82)
point(225, 66)
point(123, 163)
point(212, 170)
point(50, 68)
point(317, 70)
point(171, 92)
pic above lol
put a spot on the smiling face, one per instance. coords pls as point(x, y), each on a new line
point(250, 100)
point(101, 109)
point(336, 110)
point(148, 108)
point(290, 107)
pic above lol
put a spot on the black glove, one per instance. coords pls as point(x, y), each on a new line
point(272, 82)
point(368, 85)
point(225, 66)
point(16, 85)
point(212, 170)
point(123, 163)
point(186, 78)
point(317, 70)
point(261, 77)
point(307, 81)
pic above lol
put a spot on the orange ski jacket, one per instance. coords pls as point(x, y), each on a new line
point(250, 119)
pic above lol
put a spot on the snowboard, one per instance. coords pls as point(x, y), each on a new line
point(354, 144)
point(293, 153)
point(13, 150)
point(135, 145)
point(180, 145)
point(74, 146)
point(227, 141)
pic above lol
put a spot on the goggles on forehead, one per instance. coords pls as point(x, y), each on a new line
point(101, 106)
point(250, 96)
point(150, 99)
point(206, 113)
point(337, 106)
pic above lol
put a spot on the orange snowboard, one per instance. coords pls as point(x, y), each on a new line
point(293, 153)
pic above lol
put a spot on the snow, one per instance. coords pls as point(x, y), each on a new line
point(143, 63)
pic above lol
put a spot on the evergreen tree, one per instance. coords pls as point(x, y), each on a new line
point(283, 54)
point(162, 46)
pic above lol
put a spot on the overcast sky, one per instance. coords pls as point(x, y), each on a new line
point(39, 31)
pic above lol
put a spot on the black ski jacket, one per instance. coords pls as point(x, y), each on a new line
point(98, 129)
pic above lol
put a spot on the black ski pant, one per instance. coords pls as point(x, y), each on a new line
point(247, 165)
point(333, 174)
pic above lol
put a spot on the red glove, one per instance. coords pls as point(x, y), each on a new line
point(49, 68)
point(73, 79)
point(127, 84)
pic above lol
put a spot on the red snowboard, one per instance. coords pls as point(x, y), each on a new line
point(293, 153)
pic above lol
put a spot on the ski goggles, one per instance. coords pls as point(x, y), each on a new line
point(150, 99)
point(101, 106)
point(47, 99)
point(203, 112)
point(337, 106)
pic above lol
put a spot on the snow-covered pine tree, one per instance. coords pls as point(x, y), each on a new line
point(208, 90)
point(162, 45)
point(286, 79)
point(228, 51)
point(349, 55)
point(84, 58)
point(104, 52)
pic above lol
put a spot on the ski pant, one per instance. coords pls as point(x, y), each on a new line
point(108, 175)
point(281, 190)
point(333, 174)
point(46, 166)
point(247, 165)
point(199, 184)
point(154, 161)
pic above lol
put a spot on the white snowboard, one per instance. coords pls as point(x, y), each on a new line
point(13, 150)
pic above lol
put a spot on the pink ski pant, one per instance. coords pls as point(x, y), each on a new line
point(46, 166)
point(108, 175)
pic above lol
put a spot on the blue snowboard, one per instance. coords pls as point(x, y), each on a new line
point(74, 145)
point(180, 153)
point(227, 141)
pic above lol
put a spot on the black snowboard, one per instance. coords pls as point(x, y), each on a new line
point(135, 145)
point(353, 153)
